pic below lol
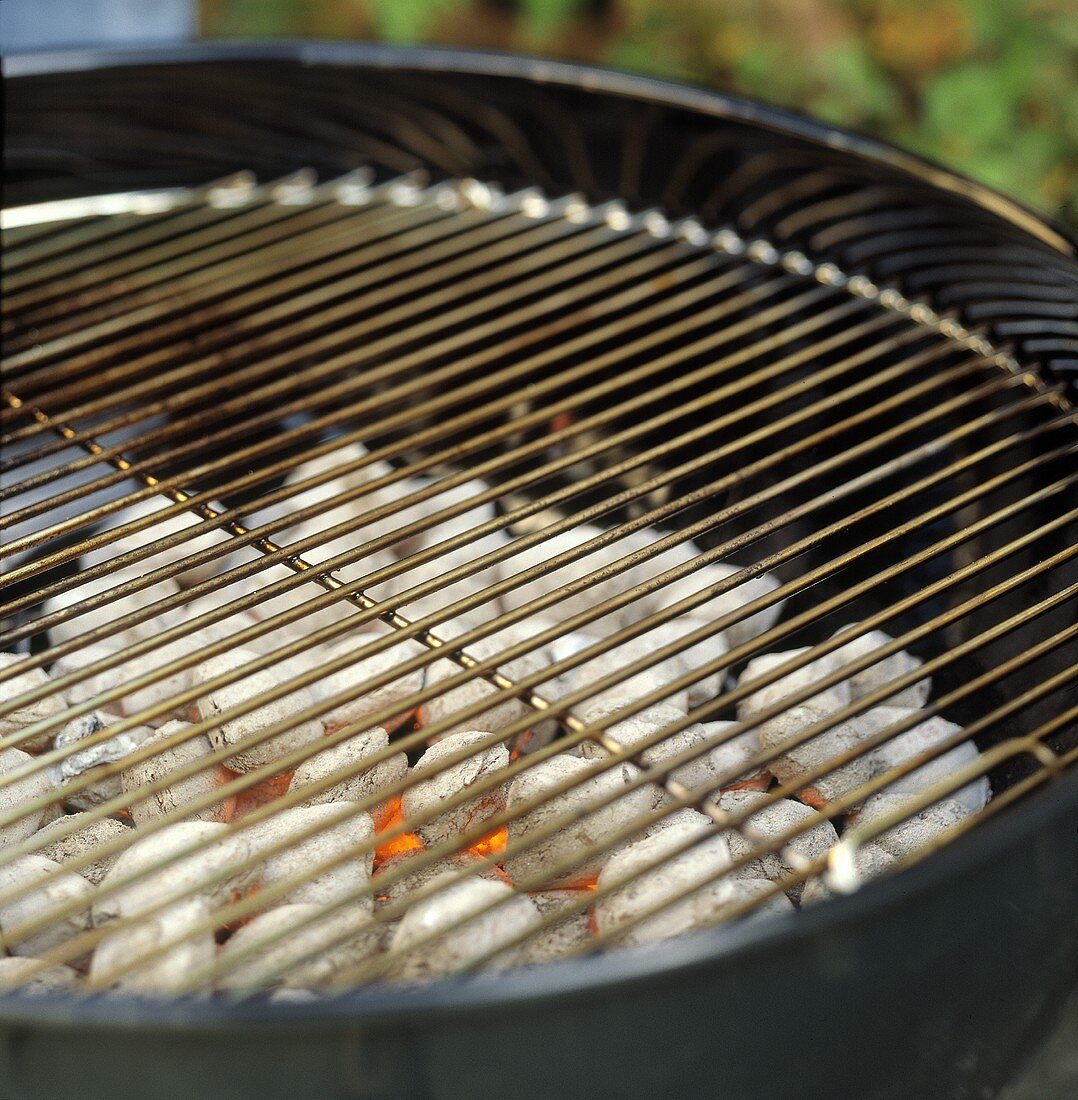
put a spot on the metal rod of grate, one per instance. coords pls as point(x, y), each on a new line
point(513, 443)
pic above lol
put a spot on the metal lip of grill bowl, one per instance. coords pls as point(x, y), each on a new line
point(969, 858)
point(544, 71)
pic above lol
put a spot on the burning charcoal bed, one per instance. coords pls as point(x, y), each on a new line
point(504, 553)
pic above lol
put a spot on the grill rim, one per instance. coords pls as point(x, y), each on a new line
point(540, 70)
point(597, 973)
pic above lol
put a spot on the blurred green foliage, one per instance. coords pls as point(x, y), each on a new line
point(989, 87)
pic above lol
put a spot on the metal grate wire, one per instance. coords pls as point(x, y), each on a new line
point(567, 364)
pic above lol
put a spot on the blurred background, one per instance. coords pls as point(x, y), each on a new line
point(989, 87)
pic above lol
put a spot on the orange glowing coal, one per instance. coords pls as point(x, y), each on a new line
point(229, 927)
point(492, 844)
point(238, 805)
point(521, 745)
point(757, 783)
point(391, 819)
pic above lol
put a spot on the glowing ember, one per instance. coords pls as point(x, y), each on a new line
point(493, 844)
point(394, 846)
point(228, 928)
point(522, 743)
point(593, 925)
point(236, 806)
point(387, 814)
point(761, 783)
point(586, 888)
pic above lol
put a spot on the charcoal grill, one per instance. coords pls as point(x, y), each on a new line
point(579, 298)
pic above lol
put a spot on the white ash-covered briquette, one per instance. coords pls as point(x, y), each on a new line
point(298, 946)
point(397, 692)
point(120, 959)
point(136, 779)
point(558, 901)
point(560, 649)
point(344, 764)
point(387, 930)
point(20, 793)
point(601, 591)
point(673, 744)
point(731, 754)
point(766, 823)
point(473, 581)
point(341, 511)
point(753, 588)
point(746, 890)
point(920, 830)
point(233, 623)
point(717, 761)
point(53, 812)
point(685, 818)
point(363, 564)
point(664, 873)
point(584, 824)
point(232, 733)
point(302, 593)
point(795, 762)
point(654, 678)
point(710, 648)
point(217, 870)
point(504, 708)
point(482, 930)
point(632, 730)
point(202, 536)
point(162, 688)
point(447, 528)
point(542, 730)
point(568, 935)
point(97, 755)
point(404, 489)
point(333, 490)
point(833, 698)
point(13, 723)
point(414, 881)
point(84, 840)
point(565, 645)
point(28, 976)
point(109, 614)
point(285, 995)
point(422, 801)
point(526, 630)
point(130, 702)
point(869, 861)
point(50, 888)
point(339, 832)
point(884, 671)
point(923, 738)
point(707, 771)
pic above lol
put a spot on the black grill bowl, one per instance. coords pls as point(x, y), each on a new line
point(934, 983)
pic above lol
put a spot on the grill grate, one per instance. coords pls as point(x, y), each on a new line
point(546, 364)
